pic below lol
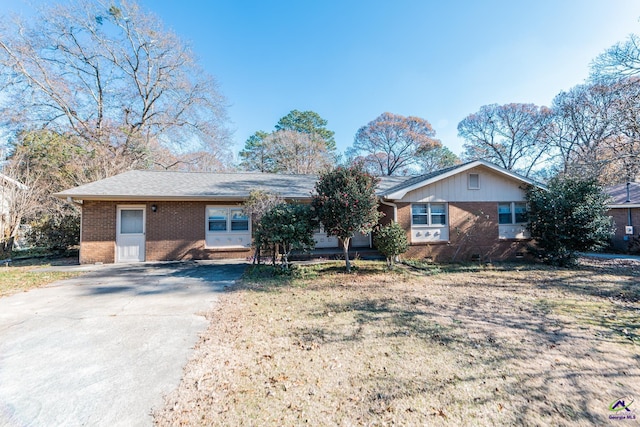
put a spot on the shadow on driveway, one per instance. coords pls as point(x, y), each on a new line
point(105, 347)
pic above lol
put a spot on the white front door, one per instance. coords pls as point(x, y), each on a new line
point(130, 236)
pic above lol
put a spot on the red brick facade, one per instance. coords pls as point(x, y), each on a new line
point(473, 235)
point(175, 231)
point(620, 240)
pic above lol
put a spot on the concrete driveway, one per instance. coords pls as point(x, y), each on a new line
point(104, 348)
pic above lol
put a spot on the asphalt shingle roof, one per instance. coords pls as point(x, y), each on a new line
point(618, 193)
point(157, 185)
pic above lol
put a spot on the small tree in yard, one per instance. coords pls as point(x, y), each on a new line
point(346, 203)
point(568, 217)
point(391, 240)
point(259, 203)
point(289, 226)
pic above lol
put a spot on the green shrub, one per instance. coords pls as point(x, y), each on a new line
point(391, 240)
point(56, 233)
point(567, 217)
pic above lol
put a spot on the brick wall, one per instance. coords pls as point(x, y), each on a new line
point(176, 231)
point(473, 232)
point(620, 219)
point(98, 232)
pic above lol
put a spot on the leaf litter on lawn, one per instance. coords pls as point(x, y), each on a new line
point(510, 344)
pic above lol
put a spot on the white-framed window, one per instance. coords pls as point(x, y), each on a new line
point(429, 214)
point(473, 181)
point(224, 220)
point(227, 226)
point(429, 222)
point(512, 213)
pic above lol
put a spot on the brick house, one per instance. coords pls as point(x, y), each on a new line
point(624, 209)
point(473, 211)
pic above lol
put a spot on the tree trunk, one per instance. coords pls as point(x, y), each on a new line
point(345, 248)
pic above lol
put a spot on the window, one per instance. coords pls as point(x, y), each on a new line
point(131, 221)
point(227, 227)
point(512, 213)
point(429, 214)
point(474, 181)
point(239, 220)
point(222, 220)
point(217, 220)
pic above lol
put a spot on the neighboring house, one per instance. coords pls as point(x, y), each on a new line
point(10, 192)
point(474, 211)
point(624, 208)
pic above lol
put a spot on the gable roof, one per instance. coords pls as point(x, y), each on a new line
point(166, 185)
point(169, 185)
point(400, 190)
point(618, 194)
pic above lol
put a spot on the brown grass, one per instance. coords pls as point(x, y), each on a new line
point(477, 346)
point(22, 277)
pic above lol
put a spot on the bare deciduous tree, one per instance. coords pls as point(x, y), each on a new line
point(620, 61)
point(112, 76)
point(21, 193)
point(392, 144)
point(581, 126)
point(509, 135)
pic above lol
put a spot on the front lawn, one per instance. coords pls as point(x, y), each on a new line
point(465, 345)
point(25, 275)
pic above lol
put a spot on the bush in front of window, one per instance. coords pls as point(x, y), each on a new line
point(569, 216)
point(286, 227)
point(391, 241)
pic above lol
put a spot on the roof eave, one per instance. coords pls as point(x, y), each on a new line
point(159, 198)
point(623, 205)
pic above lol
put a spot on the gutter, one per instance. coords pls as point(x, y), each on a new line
point(395, 209)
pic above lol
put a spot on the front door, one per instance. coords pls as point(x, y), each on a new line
point(130, 237)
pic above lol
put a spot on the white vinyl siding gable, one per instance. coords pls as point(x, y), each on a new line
point(493, 187)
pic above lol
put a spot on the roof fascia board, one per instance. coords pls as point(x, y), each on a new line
point(626, 205)
point(152, 198)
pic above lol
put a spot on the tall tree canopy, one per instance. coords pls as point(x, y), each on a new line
point(509, 135)
point(620, 61)
point(301, 144)
point(308, 122)
point(392, 144)
point(109, 76)
point(588, 127)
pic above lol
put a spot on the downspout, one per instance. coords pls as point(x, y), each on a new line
point(395, 209)
point(628, 201)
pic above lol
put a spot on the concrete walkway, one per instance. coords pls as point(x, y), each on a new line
point(104, 348)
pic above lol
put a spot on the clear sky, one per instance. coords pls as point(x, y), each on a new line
point(351, 60)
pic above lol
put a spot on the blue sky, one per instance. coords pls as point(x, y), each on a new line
point(350, 60)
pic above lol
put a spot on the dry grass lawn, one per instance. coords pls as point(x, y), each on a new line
point(495, 345)
point(24, 275)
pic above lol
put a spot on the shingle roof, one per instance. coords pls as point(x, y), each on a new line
point(159, 185)
point(166, 185)
point(618, 194)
